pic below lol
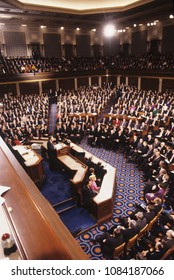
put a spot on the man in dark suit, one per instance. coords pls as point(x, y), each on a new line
point(109, 242)
point(53, 164)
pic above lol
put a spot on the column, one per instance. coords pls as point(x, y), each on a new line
point(160, 84)
point(89, 81)
point(40, 87)
point(99, 81)
point(75, 83)
point(139, 83)
point(118, 80)
point(126, 81)
point(57, 85)
point(18, 89)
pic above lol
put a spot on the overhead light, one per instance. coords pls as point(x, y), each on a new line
point(134, 25)
point(148, 24)
point(152, 23)
point(23, 25)
point(62, 27)
point(140, 24)
point(77, 28)
point(171, 16)
point(5, 16)
point(109, 30)
point(43, 26)
point(94, 30)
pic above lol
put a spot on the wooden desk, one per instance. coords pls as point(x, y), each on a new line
point(37, 229)
point(104, 201)
point(73, 164)
point(77, 168)
point(85, 115)
point(33, 163)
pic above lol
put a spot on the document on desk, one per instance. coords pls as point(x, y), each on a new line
point(29, 156)
point(3, 189)
point(58, 146)
point(31, 161)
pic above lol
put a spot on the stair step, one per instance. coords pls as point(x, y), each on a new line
point(65, 209)
point(65, 205)
point(64, 201)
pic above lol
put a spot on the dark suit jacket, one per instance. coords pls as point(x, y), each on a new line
point(51, 150)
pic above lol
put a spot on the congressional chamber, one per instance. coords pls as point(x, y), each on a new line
point(87, 132)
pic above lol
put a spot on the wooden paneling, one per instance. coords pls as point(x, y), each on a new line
point(150, 84)
point(104, 80)
point(29, 88)
point(122, 80)
point(133, 81)
point(7, 89)
point(167, 84)
point(94, 81)
point(82, 81)
point(38, 231)
point(47, 85)
point(66, 84)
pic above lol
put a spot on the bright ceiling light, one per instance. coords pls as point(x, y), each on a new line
point(109, 30)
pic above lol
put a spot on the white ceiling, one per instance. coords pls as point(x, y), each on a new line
point(85, 14)
point(83, 7)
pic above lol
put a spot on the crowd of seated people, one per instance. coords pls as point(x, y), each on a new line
point(148, 61)
point(152, 152)
point(26, 117)
point(127, 228)
point(134, 113)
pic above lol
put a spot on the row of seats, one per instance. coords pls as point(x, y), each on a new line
point(125, 247)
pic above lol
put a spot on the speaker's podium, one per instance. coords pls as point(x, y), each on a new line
point(76, 168)
point(32, 163)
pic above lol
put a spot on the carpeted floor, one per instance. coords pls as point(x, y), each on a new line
point(129, 189)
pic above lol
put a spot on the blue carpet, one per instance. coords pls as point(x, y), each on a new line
point(56, 187)
point(129, 190)
point(77, 218)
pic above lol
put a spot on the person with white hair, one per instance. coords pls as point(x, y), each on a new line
point(92, 183)
point(168, 240)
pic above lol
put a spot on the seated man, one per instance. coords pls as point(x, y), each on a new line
point(109, 242)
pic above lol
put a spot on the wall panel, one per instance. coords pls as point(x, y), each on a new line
point(29, 88)
point(94, 81)
point(150, 83)
point(47, 85)
point(82, 82)
point(15, 43)
point(83, 46)
point(139, 42)
point(167, 84)
point(66, 84)
point(52, 45)
point(133, 81)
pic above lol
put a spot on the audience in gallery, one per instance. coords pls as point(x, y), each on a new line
point(148, 61)
point(144, 133)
